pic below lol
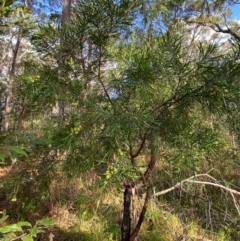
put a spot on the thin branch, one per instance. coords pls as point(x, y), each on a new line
point(228, 31)
point(132, 155)
point(167, 190)
point(215, 185)
point(165, 103)
point(17, 238)
point(231, 191)
point(142, 216)
point(216, 27)
point(235, 203)
point(149, 169)
point(190, 179)
point(177, 97)
point(15, 53)
point(99, 76)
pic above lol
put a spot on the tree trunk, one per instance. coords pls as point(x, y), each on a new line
point(8, 92)
point(135, 232)
point(66, 16)
point(66, 13)
point(126, 223)
point(130, 191)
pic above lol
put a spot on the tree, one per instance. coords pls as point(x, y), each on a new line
point(173, 89)
point(149, 101)
point(213, 14)
point(16, 16)
point(128, 89)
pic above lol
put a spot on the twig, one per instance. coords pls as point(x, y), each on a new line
point(23, 235)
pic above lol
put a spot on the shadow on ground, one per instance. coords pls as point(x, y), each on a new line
point(63, 235)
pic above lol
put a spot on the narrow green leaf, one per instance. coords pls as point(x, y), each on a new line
point(2, 156)
point(34, 231)
point(11, 228)
point(3, 219)
point(24, 224)
point(17, 150)
point(47, 222)
point(27, 238)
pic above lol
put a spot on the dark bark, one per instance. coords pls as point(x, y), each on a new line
point(142, 216)
point(134, 155)
point(126, 223)
point(217, 28)
point(100, 77)
point(130, 190)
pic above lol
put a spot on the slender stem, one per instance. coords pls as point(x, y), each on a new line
point(142, 216)
point(134, 155)
point(99, 75)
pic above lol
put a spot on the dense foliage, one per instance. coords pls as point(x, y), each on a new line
point(121, 110)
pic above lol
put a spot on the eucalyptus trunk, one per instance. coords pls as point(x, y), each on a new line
point(9, 86)
point(66, 13)
point(66, 17)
